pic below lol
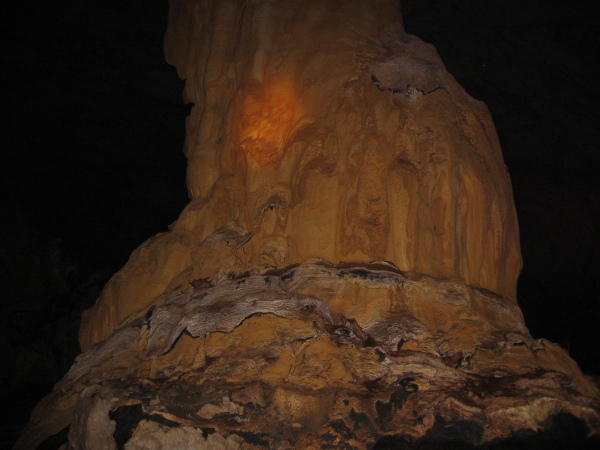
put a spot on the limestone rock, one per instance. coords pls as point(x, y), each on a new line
point(345, 273)
point(323, 131)
point(154, 436)
point(320, 354)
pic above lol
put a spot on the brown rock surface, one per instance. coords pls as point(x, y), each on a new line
point(321, 133)
point(296, 360)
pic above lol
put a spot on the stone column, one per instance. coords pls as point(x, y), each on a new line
point(345, 273)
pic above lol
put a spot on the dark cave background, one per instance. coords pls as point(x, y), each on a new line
point(93, 163)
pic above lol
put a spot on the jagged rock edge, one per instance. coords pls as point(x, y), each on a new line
point(418, 365)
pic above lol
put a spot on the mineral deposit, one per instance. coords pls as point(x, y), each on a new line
point(345, 272)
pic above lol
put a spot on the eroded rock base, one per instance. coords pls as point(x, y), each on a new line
point(320, 356)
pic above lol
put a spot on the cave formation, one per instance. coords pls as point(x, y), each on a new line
point(344, 275)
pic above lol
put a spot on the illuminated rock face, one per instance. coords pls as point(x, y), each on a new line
point(263, 360)
point(322, 130)
point(344, 276)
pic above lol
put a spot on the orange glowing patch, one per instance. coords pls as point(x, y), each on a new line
point(270, 117)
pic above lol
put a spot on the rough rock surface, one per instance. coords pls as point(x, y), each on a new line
point(316, 355)
point(321, 133)
point(322, 130)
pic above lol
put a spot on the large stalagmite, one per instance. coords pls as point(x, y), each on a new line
point(345, 273)
point(325, 131)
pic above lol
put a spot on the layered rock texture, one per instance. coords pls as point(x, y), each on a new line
point(322, 130)
point(345, 273)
